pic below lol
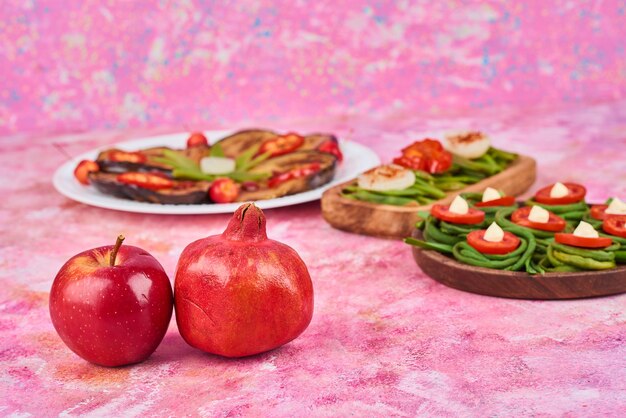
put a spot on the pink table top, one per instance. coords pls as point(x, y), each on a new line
point(385, 339)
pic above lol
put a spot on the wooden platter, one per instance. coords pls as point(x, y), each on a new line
point(518, 285)
point(389, 221)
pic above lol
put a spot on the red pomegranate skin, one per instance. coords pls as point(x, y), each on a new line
point(240, 293)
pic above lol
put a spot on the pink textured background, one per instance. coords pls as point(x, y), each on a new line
point(385, 340)
point(93, 64)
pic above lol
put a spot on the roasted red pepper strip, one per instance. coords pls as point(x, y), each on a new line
point(426, 155)
point(295, 173)
point(127, 157)
point(331, 147)
point(145, 180)
point(282, 144)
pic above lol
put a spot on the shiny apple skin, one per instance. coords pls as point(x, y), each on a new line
point(239, 293)
point(112, 316)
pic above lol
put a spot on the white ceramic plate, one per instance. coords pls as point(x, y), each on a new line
point(357, 158)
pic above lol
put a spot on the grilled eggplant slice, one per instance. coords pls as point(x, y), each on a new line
point(183, 192)
point(111, 166)
point(235, 144)
point(241, 141)
point(287, 162)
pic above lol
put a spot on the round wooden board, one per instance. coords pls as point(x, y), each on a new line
point(387, 221)
point(518, 285)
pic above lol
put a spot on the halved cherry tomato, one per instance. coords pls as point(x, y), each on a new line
point(145, 180)
point(503, 201)
point(127, 157)
point(224, 190)
point(508, 244)
point(615, 225)
point(576, 193)
point(584, 242)
point(282, 144)
point(473, 216)
point(197, 139)
point(555, 223)
point(331, 147)
point(82, 170)
point(295, 173)
point(426, 155)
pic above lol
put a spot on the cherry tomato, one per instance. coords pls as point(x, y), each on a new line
point(615, 225)
point(295, 173)
point(503, 201)
point(508, 244)
point(473, 216)
point(331, 147)
point(576, 193)
point(282, 144)
point(145, 180)
point(426, 155)
point(127, 157)
point(574, 241)
point(82, 170)
point(555, 223)
point(224, 190)
point(597, 211)
point(197, 139)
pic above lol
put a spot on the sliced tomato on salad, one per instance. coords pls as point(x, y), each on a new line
point(127, 157)
point(426, 155)
point(576, 193)
point(197, 139)
point(472, 217)
point(615, 225)
point(503, 201)
point(598, 211)
point(283, 144)
point(555, 223)
point(224, 190)
point(508, 244)
point(145, 180)
point(584, 242)
point(82, 170)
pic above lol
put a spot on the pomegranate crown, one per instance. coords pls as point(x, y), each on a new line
point(247, 224)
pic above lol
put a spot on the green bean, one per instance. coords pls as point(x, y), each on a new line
point(468, 255)
point(502, 155)
point(582, 262)
point(442, 248)
point(620, 240)
point(607, 254)
point(435, 234)
point(560, 209)
point(384, 200)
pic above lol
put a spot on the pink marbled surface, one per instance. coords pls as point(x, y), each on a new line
point(385, 340)
point(78, 65)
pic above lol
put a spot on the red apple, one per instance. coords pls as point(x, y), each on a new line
point(112, 305)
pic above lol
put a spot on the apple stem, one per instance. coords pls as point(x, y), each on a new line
point(116, 248)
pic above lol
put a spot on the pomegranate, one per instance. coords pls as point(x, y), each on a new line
point(240, 293)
